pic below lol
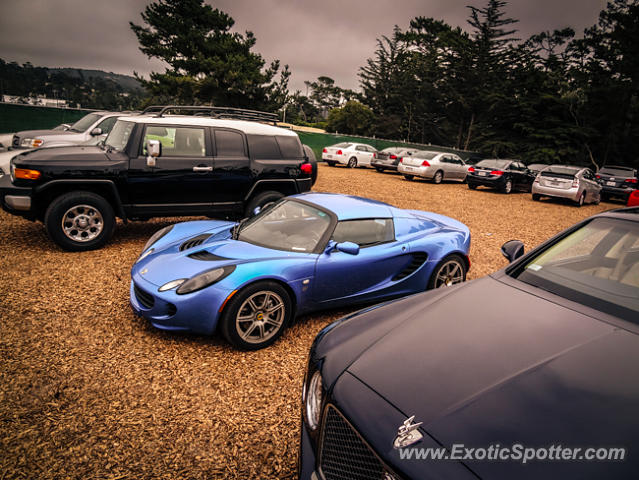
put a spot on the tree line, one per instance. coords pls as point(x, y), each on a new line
point(554, 97)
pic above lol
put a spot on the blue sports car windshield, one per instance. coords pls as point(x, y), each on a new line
point(289, 225)
point(596, 265)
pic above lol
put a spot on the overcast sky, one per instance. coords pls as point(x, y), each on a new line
point(314, 37)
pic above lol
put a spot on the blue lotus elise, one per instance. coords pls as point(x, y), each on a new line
point(306, 252)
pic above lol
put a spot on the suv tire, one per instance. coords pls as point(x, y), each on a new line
point(261, 200)
point(80, 221)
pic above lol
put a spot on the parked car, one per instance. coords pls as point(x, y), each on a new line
point(306, 252)
point(563, 181)
point(95, 124)
point(503, 175)
point(544, 352)
point(388, 159)
point(157, 164)
point(349, 154)
point(633, 199)
point(435, 166)
point(617, 181)
point(536, 167)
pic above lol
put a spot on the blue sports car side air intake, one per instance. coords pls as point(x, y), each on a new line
point(306, 252)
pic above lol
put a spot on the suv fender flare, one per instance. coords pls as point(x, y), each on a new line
point(261, 183)
point(81, 183)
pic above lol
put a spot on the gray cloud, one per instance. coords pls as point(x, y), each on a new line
point(329, 37)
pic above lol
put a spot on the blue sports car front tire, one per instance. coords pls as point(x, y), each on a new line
point(256, 316)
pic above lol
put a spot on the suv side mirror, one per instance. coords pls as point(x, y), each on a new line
point(512, 249)
point(153, 150)
point(96, 131)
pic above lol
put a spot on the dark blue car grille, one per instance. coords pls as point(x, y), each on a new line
point(418, 260)
point(195, 241)
point(145, 299)
point(344, 455)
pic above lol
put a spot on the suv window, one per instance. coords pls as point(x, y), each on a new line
point(177, 141)
point(229, 144)
point(264, 147)
point(289, 146)
point(365, 232)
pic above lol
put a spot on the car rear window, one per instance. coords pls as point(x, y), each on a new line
point(341, 145)
point(618, 172)
point(561, 172)
point(492, 163)
point(264, 147)
point(425, 155)
point(290, 146)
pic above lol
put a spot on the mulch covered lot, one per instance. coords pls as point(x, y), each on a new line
point(88, 390)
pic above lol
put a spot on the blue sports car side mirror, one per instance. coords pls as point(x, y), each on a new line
point(512, 249)
point(348, 247)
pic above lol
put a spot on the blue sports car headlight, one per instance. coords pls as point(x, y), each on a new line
point(157, 235)
point(205, 279)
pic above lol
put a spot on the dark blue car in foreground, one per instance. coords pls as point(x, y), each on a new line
point(306, 252)
point(529, 373)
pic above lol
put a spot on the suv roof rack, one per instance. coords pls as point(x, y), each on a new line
point(215, 112)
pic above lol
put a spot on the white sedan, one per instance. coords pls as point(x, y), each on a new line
point(349, 154)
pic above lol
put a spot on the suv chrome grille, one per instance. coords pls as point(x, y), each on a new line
point(344, 455)
point(194, 241)
point(145, 299)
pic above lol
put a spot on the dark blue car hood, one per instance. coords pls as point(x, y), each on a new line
point(489, 363)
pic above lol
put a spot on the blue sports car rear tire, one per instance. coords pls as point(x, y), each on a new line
point(451, 270)
point(257, 315)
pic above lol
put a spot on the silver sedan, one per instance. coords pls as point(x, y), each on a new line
point(435, 166)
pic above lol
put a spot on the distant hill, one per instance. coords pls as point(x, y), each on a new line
point(127, 82)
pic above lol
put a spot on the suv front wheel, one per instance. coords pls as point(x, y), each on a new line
point(79, 221)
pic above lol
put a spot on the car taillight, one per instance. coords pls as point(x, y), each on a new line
point(631, 180)
point(401, 160)
point(496, 172)
point(374, 155)
point(598, 176)
point(425, 163)
point(339, 152)
point(393, 157)
point(575, 183)
point(471, 169)
point(26, 174)
point(306, 168)
point(324, 150)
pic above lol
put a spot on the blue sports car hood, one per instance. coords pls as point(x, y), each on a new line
point(186, 256)
point(491, 364)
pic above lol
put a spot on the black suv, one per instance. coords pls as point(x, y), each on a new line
point(617, 182)
point(219, 162)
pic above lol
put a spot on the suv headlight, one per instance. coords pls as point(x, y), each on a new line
point(312, 396)
point(205, 279)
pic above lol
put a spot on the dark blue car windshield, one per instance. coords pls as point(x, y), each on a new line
point(596, 265)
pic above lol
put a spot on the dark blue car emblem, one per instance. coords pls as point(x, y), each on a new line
point(407, 433)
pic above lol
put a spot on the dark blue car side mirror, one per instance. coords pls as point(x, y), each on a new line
point(512, 249)
point(348, 247)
